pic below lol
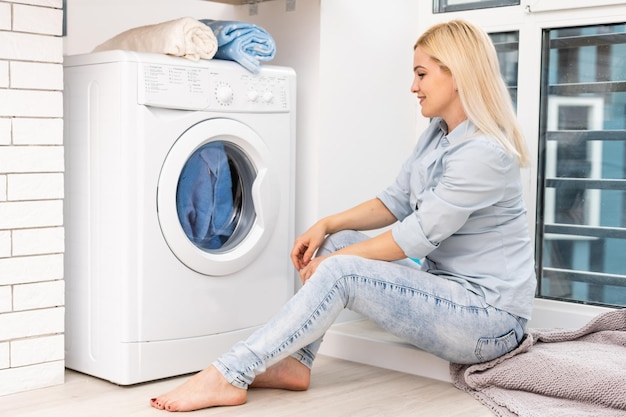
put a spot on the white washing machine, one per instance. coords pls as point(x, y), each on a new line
point(179, 210)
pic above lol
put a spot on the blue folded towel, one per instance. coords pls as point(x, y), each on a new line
point(245, 43)
point(204, 197)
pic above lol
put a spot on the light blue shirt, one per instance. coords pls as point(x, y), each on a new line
point(459, 202)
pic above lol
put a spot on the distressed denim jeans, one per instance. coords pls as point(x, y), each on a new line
point(431, 312)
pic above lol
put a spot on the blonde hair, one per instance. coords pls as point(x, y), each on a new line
point(466, 52)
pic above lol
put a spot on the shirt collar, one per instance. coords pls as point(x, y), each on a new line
point(463, 130)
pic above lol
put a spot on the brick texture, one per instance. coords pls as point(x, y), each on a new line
point(31, 195)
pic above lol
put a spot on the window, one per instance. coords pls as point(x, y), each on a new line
point(581, 202)
point(443, 6)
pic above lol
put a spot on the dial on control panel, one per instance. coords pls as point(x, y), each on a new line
point(224, 94)
point(253, 95)
point(267, 97)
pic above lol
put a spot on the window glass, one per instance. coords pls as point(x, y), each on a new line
point(507, 48)
point(443, 6)
point(581, 226)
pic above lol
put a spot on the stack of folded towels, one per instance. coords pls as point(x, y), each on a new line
point(245, 43)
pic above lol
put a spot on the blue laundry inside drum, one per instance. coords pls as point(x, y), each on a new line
point(205, 199)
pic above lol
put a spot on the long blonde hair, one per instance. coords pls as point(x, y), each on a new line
point(468, 54)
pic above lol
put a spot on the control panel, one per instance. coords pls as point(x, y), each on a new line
point(211, 87)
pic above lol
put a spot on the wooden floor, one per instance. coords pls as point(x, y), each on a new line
point(338, 389)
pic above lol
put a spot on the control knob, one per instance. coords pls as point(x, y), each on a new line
point(253, 95)
point(225, 94)
point(268, 96)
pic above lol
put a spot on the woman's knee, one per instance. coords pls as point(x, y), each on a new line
point(334, 271)
point(340, 240)
point(339, 265)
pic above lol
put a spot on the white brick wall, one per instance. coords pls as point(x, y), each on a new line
point(6, 304)
point(37, 131)
point(3, 187)
point(35, 186)
point(4, 73)
point(34, 75)
point(35, 19)
point(41, 349)
point(37, 241)
point(5, 16)
point(5, 124)
point(31, 195)
point(4, 355)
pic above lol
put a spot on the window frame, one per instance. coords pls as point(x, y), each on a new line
point(537, 6)
point(549, 139)
point(443, 6)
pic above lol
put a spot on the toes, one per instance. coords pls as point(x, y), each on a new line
point(162, 404)
point(154, 402)
point(174, 406)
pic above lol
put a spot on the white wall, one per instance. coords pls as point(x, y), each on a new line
point(368, 114)
point(31, 195)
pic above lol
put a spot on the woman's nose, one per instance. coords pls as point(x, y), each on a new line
point(415, 85)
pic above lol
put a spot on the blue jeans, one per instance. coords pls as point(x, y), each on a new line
point(431, 312)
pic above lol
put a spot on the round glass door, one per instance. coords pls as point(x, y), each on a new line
point(216, 199)
point(214, 196)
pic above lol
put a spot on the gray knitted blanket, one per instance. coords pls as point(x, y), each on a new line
point(556, 373)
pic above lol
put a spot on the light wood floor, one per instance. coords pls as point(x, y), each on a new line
point(338, 389)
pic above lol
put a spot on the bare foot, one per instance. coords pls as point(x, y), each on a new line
point(205, 389)
point(288, 374)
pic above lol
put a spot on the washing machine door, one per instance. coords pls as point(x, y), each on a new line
point(217, 198)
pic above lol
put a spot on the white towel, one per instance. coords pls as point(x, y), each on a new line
point(185, 37)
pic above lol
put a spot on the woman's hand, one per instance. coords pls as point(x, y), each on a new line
point(311, 267)
point(306, 245)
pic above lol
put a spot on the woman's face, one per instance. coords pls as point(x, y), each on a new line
point(435, 90)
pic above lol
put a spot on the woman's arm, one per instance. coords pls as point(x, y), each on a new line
point(372, 214)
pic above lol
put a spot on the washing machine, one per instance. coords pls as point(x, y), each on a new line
point(179, 209)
